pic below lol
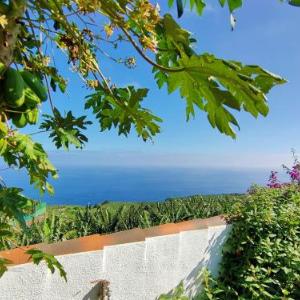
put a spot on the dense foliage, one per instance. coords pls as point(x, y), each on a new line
point(61, 223)
point(32, 33)
point(261, 258)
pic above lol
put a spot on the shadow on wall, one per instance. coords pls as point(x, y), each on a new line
point(100, 291)
point(211, 260)
point(93, 294)
point(192, 282)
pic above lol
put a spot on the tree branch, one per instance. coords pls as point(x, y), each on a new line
point(149, 60)
point(8, 35)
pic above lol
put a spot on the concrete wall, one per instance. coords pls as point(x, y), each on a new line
point(136, 271)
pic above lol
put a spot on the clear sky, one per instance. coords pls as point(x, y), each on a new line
point(267, 33)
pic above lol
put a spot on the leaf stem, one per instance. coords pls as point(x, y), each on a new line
point(49, 94)
point(148, 59)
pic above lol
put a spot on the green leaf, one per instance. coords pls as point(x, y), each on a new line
point(66, 130)
point(13, 204)
point(234, 4)
point(173, 40)
point(37, 256)
point(170, 3)
point(23, 152)
point(173, 32)
point(198, 4)
point(3, 265)
point(211, 84)
point(294, 2)
point(123, 110)
point(222, 2)
point(179, 7)
point(177, 294)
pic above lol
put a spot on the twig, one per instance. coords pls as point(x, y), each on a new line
point(49, 94)
point(148, 59)
point(40, 54)
point(38, 132)
point(18, 112)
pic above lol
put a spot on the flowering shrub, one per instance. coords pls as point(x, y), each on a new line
point(293, 172)
point(273, 182)
point(261, 258)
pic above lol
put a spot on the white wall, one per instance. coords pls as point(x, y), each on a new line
point(136, 271)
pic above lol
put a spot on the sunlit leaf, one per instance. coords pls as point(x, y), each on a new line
point(38, 256)
point(66, 130)
point(123, 110)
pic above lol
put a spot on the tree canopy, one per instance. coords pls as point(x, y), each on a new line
point(87, 32)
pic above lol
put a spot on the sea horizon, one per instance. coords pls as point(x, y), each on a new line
point(83, 185)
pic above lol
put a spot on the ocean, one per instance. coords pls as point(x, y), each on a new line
point(91, 185)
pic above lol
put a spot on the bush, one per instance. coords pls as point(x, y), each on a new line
point(261, 258)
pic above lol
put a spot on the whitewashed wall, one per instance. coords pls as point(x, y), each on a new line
point(136, 271)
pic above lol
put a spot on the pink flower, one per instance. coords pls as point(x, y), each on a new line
point(273, 182)
point(295, 173)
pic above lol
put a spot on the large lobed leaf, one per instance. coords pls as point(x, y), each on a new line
point(20, 151)
point(214, 85)
point(122, 109)
point(13, 205)
point(65, 130)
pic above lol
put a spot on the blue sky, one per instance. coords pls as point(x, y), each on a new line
point(267, 34)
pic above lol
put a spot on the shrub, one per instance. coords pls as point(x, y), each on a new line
point(261, 258)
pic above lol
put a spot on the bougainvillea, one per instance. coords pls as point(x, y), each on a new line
point(273, 182)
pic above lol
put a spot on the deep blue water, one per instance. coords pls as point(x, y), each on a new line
point(83, 185)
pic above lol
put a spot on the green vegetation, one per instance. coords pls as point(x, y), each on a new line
point(67, 222)
point(32, 34)
point(261, 257)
